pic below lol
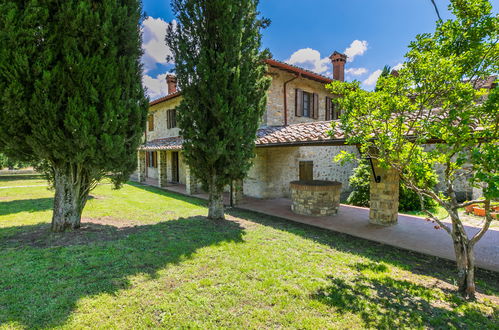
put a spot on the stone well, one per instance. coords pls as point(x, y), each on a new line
point(316, 197)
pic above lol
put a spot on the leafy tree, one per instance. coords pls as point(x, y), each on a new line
point(71, 93)
point(437, 97)
point(220, 68)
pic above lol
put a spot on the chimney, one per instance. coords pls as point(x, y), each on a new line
point(338, 61)
point(171, 82)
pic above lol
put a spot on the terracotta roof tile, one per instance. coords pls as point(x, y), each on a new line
point(295, 134)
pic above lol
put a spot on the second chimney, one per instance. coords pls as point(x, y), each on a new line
point(171, 82)
point(338, 61)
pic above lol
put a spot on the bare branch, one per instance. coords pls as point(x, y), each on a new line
point(436, 10)
point(477, 201)
point(488, 220)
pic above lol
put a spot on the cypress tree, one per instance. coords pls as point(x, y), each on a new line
point(216, 47)
point(71, 93)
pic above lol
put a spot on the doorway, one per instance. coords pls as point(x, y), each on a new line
point(175, 175)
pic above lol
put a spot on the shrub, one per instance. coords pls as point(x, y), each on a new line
point(360, 195)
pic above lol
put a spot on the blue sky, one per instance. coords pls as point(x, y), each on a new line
point(373, 33)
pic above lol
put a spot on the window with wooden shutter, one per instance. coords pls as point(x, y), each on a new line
point(306, 170)
point(150, 122)
point(328, 108)
point(299, 103)
point(171, 118)
point(336, 111)
point(148, 158)
point(315, 106)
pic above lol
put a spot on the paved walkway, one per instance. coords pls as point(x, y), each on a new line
point(410, 233)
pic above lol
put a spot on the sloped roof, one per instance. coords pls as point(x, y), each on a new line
point(295, 69)
point(314, 133)
point(273, 63)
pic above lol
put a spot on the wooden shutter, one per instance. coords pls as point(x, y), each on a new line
point(147, 158)
point(328, 109)
point(315, 106)
point(151, 122)
point(306, 171)
point(154, 159)
point(299, 103)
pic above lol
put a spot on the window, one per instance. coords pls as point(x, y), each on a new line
point(152, 159)
point(171, 118)
point(306, 170)
point(333, 111)
point(307, 104)
point(150, 122)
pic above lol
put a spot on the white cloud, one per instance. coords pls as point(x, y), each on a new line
point(356, 71)
point(357, 47)
point(153, 42)
point(398, 66)
point(155, 87)
point(310, 59)
point(373, 78)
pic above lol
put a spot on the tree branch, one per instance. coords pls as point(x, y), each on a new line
point(436, 10)
point(488, 220)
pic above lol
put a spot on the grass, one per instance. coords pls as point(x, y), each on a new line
point(149, 258)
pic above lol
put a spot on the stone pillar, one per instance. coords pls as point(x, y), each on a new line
point(190, 182)
point(237, 192)
point(141, 165)
point(162, 169)
point(384, 201)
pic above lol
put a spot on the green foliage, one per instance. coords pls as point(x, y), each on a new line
point(7, 162)
point(436, 95)
point(360, 195)
point(70, 85)
point(359, 181)
point(220, 68)
point(174, 269)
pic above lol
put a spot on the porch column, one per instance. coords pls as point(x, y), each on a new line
point(384, 201)
point(141, 165)
point(162, 169)
point(237, 191)
point(190, 181)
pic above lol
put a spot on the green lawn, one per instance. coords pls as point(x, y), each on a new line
point(149, 258)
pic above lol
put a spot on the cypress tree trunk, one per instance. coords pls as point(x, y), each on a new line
point(70, 199)
point(216, 201)
point(465, 260)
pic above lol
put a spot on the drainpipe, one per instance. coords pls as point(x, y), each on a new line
point(145, 133)
point(286, 98)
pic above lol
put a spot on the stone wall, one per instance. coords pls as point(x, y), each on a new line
point(274, 115)
point(315, 198)
point(464, 190)
point(384, 201)
point(274, 168)
point(159, 112)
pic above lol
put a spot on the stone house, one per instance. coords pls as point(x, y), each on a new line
point(291, 144)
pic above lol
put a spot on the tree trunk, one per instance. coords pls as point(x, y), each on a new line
point(70, 198)
point(216, 202)
point(465, 260)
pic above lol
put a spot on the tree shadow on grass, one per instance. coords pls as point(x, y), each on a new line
point(417, 263)
point(26, 205)
point(43, 274)
point(383, 302)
